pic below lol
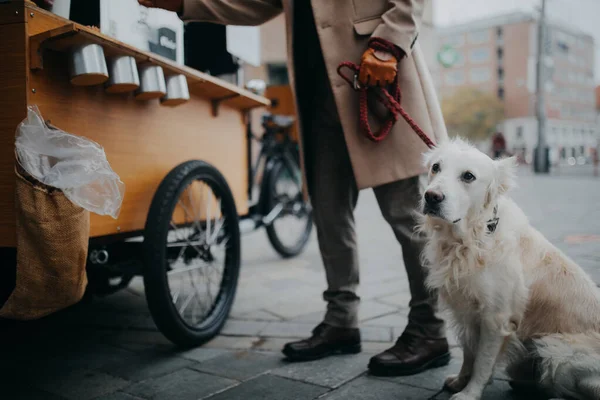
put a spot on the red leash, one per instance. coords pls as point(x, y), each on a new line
point(390, 101)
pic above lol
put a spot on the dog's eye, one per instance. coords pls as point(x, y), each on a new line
point(468, 177)
point(435, 168)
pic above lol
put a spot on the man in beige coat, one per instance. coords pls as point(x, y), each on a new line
point(338, 160)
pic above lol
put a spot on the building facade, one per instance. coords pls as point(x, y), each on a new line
point(498, 55)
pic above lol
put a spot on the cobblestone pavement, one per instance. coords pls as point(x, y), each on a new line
point(110, 349)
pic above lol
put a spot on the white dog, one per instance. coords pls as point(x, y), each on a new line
point(512, 295)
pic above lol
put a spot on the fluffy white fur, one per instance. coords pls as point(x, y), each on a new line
point(512, 295)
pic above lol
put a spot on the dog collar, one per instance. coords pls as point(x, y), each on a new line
point(492, 223)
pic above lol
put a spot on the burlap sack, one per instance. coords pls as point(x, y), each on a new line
point(52, 245)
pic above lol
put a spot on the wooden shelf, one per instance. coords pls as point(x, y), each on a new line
point(64, 38)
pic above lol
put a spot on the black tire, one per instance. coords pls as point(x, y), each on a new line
point(158, 293)
point(284, 250)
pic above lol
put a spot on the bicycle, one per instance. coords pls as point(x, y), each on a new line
point(276, 187)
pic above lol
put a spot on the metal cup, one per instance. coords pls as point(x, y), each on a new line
point(87, 65)
point(177, 91)
point(123, 75)
point(152, 83)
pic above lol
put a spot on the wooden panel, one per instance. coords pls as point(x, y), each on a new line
point(41, 21)
point(283, 99)
point(12, 13)
point(143, 140)
point(13, 103)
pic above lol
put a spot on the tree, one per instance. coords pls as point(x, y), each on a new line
point(472, 114)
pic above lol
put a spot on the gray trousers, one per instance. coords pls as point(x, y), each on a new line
point(334, 195)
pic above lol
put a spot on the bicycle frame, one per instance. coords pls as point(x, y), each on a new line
point(271, 152)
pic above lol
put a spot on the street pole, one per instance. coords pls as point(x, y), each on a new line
point(540, 160)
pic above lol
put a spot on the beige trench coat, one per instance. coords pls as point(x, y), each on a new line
point(344, 28)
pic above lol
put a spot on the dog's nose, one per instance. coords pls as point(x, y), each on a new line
point(433, 197)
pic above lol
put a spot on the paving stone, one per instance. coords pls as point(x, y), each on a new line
point(376, 334)
point(432, 379)
point(370, 309)
point(396, 320)
point(497, 390)
point(313, 318)
point(146, 364)
point(22, 391)
point(241, 365)
point(243, 328)
point(119, 396)
point(270, 387)
point(287, 330)
point(138, 337)
point(399, 299)
point(202, 354)
point(185, 384)
point(330, 372)
point(366, 388)
point(372, 348)
point(382, 289)
point(257, 315)
point(270, 344)
point(232, 342)
point(90, 356)
point(299, 304)
point(81, 384)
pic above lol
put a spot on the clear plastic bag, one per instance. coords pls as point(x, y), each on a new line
point(73, 164)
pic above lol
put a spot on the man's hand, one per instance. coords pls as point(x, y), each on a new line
point(170, 5)
point(377, 68)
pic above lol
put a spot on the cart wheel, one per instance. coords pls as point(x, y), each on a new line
point(192, 254)
point(291, 229)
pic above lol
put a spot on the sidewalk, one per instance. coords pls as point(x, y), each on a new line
point(110, 349)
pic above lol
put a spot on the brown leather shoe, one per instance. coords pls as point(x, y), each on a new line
point(325, 341)
point(410, 355)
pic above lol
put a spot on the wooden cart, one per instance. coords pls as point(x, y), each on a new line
point(156, 150)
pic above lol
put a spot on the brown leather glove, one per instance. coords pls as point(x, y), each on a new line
point(377, 68)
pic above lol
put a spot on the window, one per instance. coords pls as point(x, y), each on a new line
point(457, 40)
point(519, 132)
point(460, 59)
point(277, 74)
point(562, 47)
point(500, 75)
point(479, 56)
point(479, 75)
point(581, 150)
point(455, 78)
point(501, 93)
point(500, 52)
point(479, 37)
point(499, 32)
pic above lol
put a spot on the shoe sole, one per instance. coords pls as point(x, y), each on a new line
point(380, 370)
point(354, 349)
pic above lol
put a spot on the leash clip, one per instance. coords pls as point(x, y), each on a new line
point(356, 83)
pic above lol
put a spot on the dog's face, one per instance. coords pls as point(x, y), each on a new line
point(463, 181)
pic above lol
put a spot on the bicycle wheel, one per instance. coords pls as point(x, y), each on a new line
point(192, 254)
point(290, 230)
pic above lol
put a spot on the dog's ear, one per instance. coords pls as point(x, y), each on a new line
point(428, 156)
point(504, 178)
point(506, 171)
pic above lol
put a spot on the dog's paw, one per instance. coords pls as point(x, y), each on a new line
point(463, 396)
point(456, 383)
